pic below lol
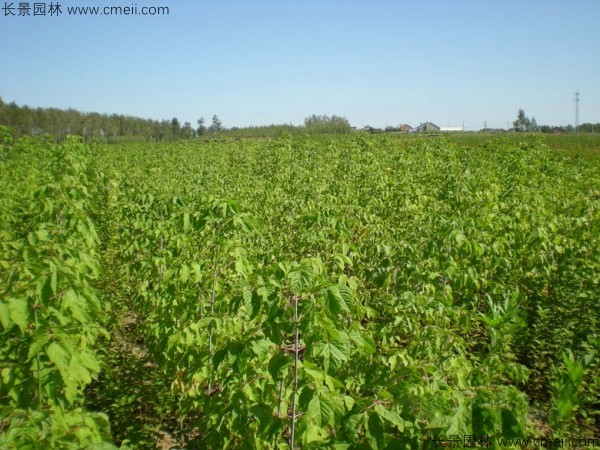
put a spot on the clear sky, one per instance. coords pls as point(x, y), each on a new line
point(257, 62)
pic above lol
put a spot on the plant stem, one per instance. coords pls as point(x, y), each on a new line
point(37, 359)
point(212, 311)
point(296, 357)
point(280, 397)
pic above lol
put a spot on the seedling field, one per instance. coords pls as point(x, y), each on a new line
point(355, 292)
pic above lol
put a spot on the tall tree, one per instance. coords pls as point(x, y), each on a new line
point(175, 127)
point(523, 123)
point(201, 130)
point(216, 125)
point(187, 132)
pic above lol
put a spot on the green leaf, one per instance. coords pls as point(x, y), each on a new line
point(19, 312)
point(364, 343)
point(276, 365)
point(374, 431)
point(306, 395)
point(324, 407)
point(320, 410)
point(349, 402)
point(334, 353)
point(242, 267)
point(197, 273)
point(78, 372)
point(43, 289)
point(355, 424)
point(54, 282)
point(42, 234)
point(219, 357)
point(263, 413)
point(252, 302)
point(206, 321)
point(309, 432)
point(261, 348)
point(317, 375)
point(390, 416)
point(32, 239)
point(73, 303)
point(184, 273)
point(5, 318)
point(303, 278)
point(459, 423)
point(168, 275)
point(511, 425)
point(61, 359)
point(173, 340)
point(335, 301)
point(483, 418)
point(41, 339)
point(89, 359)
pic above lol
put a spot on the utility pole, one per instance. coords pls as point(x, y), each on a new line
point(577, 111)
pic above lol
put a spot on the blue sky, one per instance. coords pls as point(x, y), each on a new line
point(257, 62)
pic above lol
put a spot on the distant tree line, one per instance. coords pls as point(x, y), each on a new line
point(60, 123)
point(326, 124)
point(114, 127)
point(589, 128)
point(524, 123)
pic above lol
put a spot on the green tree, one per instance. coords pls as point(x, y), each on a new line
point(589, 127)
point(534, 125)
point(187, 132)
point(326, 124)
point(524, 123)
point(162, 130)
point(175, 127)
point(216, 125)
point(201, 130)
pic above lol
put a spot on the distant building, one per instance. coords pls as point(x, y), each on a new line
point(404, 128)
point(451, 129)
point(427, 126)
point(371, 129)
